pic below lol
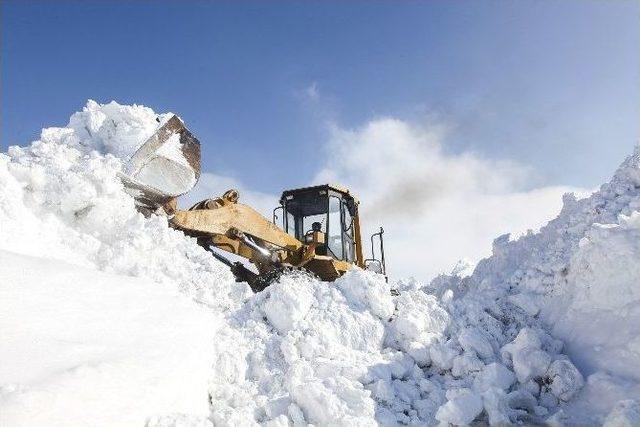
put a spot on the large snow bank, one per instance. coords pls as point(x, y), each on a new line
point(354, 354)
point(456, 350)
point(61, 199)
point(483, 347)
point(581, 272)
point(80, 347)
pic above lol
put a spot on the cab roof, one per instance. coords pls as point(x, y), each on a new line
point(326, 187)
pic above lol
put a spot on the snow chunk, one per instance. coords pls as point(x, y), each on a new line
point(496, 407)
point(419, 322)
point(288, 301)
point(529, 360)
point(565, 379)
point(462, 407)
point(526, 303)
point(364, 290)
point(495, 375)
point(442, 355)
point(466, 363)
point(471, 339)
point(626, 413)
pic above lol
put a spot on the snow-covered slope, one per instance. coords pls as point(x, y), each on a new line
point(60, 200)
point(497, 347)
point(581, 271)
point(80, 347)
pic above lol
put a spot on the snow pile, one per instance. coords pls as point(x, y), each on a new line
point(311, 353)
point(454, 351)
point(117, 350)
point(602, 288)
point(581, 273)
point(62, 199)
point(457, 350)
point(110, 128)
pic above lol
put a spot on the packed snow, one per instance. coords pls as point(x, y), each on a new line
point(81, 347)
point(111, 318)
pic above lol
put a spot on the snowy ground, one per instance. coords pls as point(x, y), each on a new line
point(81, 347)
point(140, 325)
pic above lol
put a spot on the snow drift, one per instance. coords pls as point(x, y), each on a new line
point(80, 347)
point(545, 330)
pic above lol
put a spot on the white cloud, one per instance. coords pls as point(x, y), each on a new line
point(436, 208)
point(312, 92)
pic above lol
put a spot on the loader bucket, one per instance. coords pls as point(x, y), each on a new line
point(166, 166)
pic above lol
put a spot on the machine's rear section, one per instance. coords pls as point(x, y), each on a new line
point(325, 216)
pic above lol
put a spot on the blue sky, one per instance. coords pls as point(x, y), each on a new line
point(454, 121)
point(553, 85)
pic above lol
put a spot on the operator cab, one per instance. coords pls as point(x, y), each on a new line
point(325, 209)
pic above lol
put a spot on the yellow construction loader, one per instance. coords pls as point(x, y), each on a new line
point(315, 229)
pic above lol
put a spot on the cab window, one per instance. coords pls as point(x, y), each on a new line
point(334, 236)
point(291, 224)
point(347, 233)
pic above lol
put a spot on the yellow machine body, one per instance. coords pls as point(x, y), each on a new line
point(224, 224)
